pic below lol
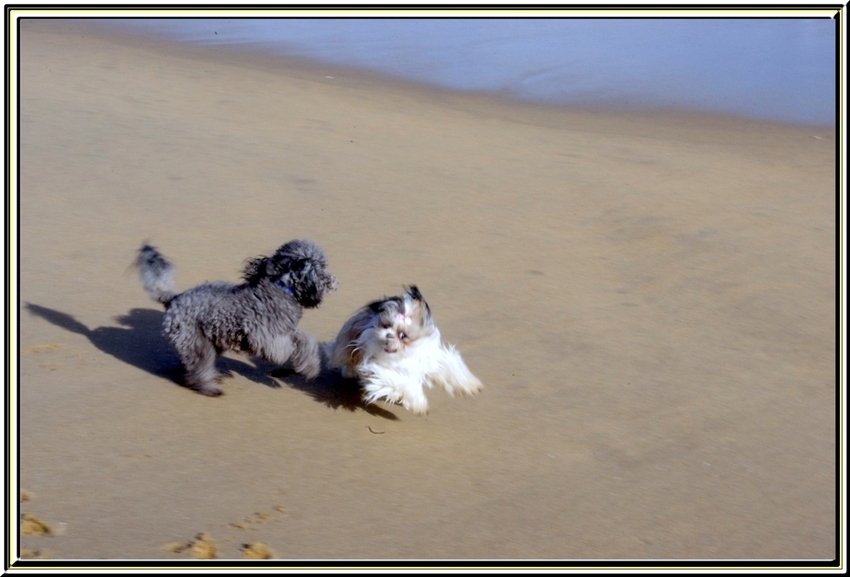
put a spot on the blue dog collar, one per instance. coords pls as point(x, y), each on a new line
point(284, 287)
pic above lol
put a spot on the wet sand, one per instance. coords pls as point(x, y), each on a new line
point(649, 300)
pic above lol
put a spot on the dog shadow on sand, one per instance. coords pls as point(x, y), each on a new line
point(139, 342)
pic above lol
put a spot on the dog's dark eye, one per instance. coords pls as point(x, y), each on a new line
point(385, 325)
point(402, 336)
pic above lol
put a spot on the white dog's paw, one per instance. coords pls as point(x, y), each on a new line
point(413, 401)
point(471, 386)
point(375, 392)
point(454, 375)
point(417, 406)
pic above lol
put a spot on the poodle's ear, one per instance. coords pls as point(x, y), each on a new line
point(299, 265)
point(255, 269)
point(287, 271)
point(308, 293)
point(286, 266)
point(302, 278)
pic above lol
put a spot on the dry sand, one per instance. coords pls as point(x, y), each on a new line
point(648, 298)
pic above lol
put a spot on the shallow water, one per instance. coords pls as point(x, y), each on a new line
point(771, 69)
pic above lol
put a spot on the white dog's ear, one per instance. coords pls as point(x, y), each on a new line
point(389, 305)
point(412, 292)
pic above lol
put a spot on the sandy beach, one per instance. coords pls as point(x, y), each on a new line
point(648, 298)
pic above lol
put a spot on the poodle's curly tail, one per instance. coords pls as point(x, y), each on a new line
point(156, 274)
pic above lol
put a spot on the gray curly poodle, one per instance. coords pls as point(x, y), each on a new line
point(259, 317)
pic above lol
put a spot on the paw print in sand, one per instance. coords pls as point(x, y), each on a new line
point(257, 551)
point(32, 526)
point(203, 546)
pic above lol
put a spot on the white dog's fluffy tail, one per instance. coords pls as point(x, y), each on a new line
point(156, 274)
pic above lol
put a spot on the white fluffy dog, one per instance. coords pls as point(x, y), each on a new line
point(393, 346)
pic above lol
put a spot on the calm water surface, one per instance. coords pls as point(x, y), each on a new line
point(772, 69)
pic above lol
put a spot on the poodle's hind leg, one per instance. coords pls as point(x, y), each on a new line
point(201, 374)
point(306, 358)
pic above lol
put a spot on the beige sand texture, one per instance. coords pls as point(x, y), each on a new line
point(649, 300)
